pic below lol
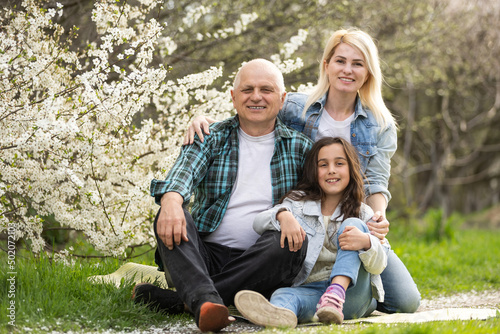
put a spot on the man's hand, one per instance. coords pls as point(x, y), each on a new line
point(171, 224)
point(291, 230)
point(354, 239)
point(199, 126)
point(379, 226)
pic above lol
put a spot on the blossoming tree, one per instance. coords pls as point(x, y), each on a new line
point(69, 146)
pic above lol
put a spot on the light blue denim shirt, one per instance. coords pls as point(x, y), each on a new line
point(375, 146)
point(310, 218)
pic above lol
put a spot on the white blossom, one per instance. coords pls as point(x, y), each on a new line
point(242, 24)
point(69, 146)
point(167, 46)
point(295, 42)
point(194, 14)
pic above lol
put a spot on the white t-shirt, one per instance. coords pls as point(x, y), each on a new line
point(328, 254)
point(251, 194)
point(328, 127)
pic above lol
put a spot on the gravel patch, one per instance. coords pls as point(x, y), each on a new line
point(473, 299)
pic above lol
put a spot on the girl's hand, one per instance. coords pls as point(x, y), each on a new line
point(199, 126)
point(379, 226)
point(354, 239)
point(290, 230)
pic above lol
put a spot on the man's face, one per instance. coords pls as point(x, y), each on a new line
point(257, 98)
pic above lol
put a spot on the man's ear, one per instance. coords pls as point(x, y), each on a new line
point(283, 96)
point(232, 97)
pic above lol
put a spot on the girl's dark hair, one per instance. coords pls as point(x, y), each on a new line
point(308, 187)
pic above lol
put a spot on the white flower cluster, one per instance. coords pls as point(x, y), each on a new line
point(67, 142)
point(70, 143)
point(239, 26)
point(295, 42)
point(288, 65)
point(194, 14)
point(167, 46)
point(285, 64)
point(242, 24)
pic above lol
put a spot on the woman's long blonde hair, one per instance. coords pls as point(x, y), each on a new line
point(371, 92)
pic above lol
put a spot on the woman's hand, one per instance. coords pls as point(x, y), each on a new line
point(379, 226)
point(290, 230)
point(199, 126)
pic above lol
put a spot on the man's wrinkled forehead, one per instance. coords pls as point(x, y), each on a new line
point(261, 66)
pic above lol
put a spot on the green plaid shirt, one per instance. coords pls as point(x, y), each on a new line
point(208, 170)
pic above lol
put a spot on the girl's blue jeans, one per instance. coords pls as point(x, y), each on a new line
point(401, 293)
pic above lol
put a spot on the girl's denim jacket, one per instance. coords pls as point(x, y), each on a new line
point(308, 214)
point(375, 146)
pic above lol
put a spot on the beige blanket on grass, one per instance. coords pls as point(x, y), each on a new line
point(446, 314)
point(135, 272)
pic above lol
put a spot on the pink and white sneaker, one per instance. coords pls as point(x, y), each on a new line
point(329, 308)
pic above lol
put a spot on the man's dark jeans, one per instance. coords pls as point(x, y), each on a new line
point(204, 271)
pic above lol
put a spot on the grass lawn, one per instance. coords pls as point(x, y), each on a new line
point(53, 297)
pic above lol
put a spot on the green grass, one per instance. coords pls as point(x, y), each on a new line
point(469, 262)
point(51, 296)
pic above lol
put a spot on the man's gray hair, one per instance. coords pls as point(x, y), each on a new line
point(280, 81)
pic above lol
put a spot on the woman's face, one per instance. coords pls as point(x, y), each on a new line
point(347, 70)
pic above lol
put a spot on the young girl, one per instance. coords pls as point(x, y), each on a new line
point(343, 259)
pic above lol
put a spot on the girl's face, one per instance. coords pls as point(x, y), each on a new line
point(333, 171)
point(347, 69)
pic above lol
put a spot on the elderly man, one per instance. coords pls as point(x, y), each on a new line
point(244, 167)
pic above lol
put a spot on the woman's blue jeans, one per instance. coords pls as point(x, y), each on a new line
point(401, 292)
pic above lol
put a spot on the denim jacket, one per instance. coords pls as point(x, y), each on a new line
point(308, 214)
point(375, 146)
